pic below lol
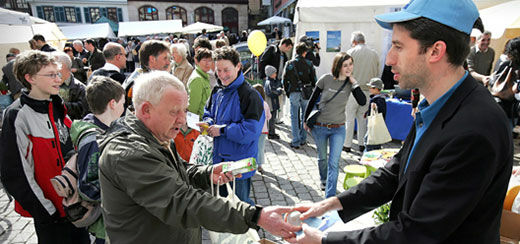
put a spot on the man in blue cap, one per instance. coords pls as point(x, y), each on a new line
point(448, 181)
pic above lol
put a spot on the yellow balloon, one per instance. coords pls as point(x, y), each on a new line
point(256, 41)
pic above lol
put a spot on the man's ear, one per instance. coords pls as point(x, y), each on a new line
point(145, 110)
point(437, 51)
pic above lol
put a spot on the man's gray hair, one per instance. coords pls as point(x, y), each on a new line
point(151, 86)
point(180, 49)
point(62, 58)
point(485, 33)
point(358, 36)
point(111, 49)
point(77, 42)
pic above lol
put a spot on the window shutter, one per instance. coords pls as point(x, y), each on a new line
point(87, 15)
point(39, 9)
point(103, 12)
point(120, 14)
point(78, 15)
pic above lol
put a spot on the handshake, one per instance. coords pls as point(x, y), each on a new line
point(294, 227)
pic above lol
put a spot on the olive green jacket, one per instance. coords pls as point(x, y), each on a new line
point(199, 90)
point(150, 196)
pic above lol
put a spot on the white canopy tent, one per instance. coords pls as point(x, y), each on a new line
point(101, 30)
point(274, 21)
point(141, 28)
point(198, 26)
point(347, 17)
point(18, 28)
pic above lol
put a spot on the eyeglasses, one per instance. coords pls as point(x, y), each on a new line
point(52, 76)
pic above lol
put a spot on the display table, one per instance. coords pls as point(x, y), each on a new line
point(378, 158)
point(398, 118)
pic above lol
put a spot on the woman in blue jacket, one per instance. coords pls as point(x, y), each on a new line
point(235, 115)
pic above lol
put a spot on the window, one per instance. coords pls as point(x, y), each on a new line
point(112, 14)
point(230, 19)
point(95, 14)
point(205, 15)
point(176, 12)
point(48, 13)
point(148, 13)
point(21, 4)
point(70, 15)
point(59, 14)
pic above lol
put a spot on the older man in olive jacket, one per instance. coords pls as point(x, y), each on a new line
point(149, 194)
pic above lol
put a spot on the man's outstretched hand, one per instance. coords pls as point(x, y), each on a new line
point(271, 220)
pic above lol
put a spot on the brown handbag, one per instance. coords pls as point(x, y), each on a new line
point(503, 85)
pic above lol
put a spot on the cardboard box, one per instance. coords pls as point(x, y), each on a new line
point(265, 241)
point(509, 231)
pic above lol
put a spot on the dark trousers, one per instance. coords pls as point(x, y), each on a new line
point(62, 232)
point(272, 122)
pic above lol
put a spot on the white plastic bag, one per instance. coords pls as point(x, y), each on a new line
point(250, 237)
point(202, 152)
point(376, 129)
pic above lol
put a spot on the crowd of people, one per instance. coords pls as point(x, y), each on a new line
point(117, 111)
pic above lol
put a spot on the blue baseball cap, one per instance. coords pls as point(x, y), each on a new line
point(457, 14)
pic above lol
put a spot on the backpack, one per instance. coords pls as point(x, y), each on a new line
point(79, 212)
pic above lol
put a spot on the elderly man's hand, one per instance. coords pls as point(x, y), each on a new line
point(219, 177)
point(271, 220)
point(310, 236)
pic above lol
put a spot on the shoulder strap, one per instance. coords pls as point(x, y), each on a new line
point(337, 92)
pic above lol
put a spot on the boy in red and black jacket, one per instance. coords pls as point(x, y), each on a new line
point(34, 140)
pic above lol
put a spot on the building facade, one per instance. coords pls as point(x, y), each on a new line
point(70, 12)
point(232, 14)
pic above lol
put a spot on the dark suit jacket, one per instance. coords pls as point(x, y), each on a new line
point(96, 59)
point(271, 56)
point(455, 184)
point(10, 80)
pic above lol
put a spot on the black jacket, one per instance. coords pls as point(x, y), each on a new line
point(454, 188)
point(298, 72)
point(117, 76)
point(96, 59)
point(271, 56)
point(80, 73)
point(47, 48)
point(10, 80)
point(75, 100)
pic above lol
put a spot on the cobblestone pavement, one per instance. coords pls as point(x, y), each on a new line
point(290, 177)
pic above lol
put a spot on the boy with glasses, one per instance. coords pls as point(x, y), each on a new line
point(34, 143)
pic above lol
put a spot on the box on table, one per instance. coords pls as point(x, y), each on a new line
point(265, 241)
point(509, 231)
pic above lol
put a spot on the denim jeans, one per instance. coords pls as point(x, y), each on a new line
point(298, 105)
point(242, 190)
point(334, 138)
point(261, 146)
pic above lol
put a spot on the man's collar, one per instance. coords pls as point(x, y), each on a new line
point(110, 66)
point(482, 51)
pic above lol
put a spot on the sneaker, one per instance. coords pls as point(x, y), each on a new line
point(322, 186)
point(295, 147)
point(347, 149)
point(260, 170)
point(279, 122)
point(361, 148)
point(273, 137)
point(303, 143)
